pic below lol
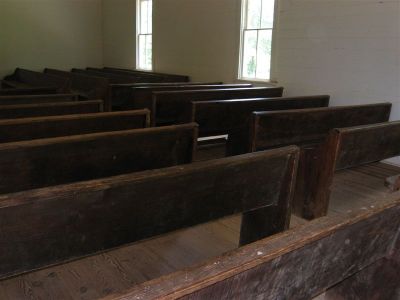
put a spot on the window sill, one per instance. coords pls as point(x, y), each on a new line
point(258, 81)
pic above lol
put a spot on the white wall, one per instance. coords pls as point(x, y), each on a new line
point(119, 33)
point(50, 33)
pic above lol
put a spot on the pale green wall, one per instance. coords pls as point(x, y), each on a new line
point(50, 33)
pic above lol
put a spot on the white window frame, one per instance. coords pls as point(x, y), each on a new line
point(139, 34)
point(243, 29)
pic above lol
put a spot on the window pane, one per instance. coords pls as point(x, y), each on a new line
point(264, 54)
point(267, 20)
point(249, 54)
point(148, 54)
point(143, 16)
point(142, 51)
point(150, 17)
point(253, 14)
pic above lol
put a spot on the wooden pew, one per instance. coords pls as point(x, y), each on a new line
point(56, 126)
point(309, 129)
point(27, 91)
point(165, 77)
point(87, 87)
point(22, 78)
point(50, 109)
point(301, 263)
point(34, 99)
point(221, 117)
point(347, 148)
point(45, 162)
point(112, 78)
point(172, 107)
point(70, 221)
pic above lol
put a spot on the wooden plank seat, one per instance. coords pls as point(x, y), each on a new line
point(34, 99)
point(308, 128)
point(22, 78)
point(141, 97)
point(46, 162)
point(173, 106)
point(221, 117)
point(87, 87)
point(118, 271)
point(50, 109)
point(70, 221)
point(164, 76)
point(13, 130)
point(27, 91)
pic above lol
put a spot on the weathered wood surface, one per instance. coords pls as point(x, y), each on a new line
point(56, 126)
point(309, 129)
point(393, 183)
point(165, 77)
point(174, 106)
point(32, 99)
point(274, 129)
point(298, 264)
point(69, 221)
point(26, 78)
point(50, 109)
point(27, 91)
point(87, 87)
point(142, 96)
point(346, 148)
point(46, 162)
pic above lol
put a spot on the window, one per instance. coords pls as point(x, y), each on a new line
point(144, 34)
point(256, 39)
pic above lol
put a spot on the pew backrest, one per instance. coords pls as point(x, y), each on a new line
point(112, 78)
point(45, 162)
point(27, 91)
point(50, 109)
point(33, 99)
point(165, 77)
point(14, 130)
point(173, 107)
point(69, 221)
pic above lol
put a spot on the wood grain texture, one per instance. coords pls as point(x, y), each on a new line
point(50, 109)
point(69, 221)
point(13, 130)
point(88, 87)
point(325, 251)
point(45, 162)
point(170, 107)
point(34, 99)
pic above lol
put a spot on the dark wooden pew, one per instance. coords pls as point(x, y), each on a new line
point(22, 78)
point(45, 162)
point(27, 91)
point(50, 109)
point(56, 126)
point(87, 87)
point(347, 148)
point(309, 129)
point(112, 78)
point(70, 221)
point(164, 76)
point(34, 99)
point(301, 263)
point(221, 117)
point(128, 77)
point(172, 107)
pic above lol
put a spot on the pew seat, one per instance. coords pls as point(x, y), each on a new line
point(134, 269)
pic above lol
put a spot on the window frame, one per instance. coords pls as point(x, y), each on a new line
point(139, 34)
point(243, 29)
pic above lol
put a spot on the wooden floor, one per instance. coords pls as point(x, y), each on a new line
point(99, 275)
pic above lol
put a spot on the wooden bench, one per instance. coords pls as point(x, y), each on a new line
point(56, 126)
point(34, 99)
point(347, 148)
point(112, 78)
point(45, 162)
point(173, 107)
point(354, 254)
point(27, 91)
point(22, 78)
point(50, 109)
point(164, 76)
point(87, 87)
point(222, 117)
point(309, 129)
point(70, 221)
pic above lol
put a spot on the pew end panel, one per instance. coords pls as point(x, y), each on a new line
point(66, 222)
